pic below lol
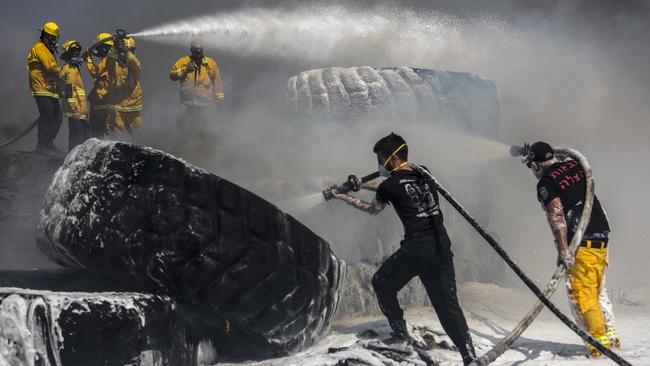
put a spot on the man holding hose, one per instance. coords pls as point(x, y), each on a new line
point(426, 249)
point(561, 190)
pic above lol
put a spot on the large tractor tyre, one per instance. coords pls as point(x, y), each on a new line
point(43, 328)
point(124, 209)
point(461, 101)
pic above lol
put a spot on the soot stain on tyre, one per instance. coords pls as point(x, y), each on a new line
point(197, 237)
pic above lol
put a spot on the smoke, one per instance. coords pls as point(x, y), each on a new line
point(573, 73)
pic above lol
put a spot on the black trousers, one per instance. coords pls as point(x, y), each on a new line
point(78, 132)
point(49, 119)
point(439, 279)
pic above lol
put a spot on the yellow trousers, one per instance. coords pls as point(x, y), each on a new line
point(584, 285)
point(118, 122)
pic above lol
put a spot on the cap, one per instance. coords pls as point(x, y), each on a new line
point(540, 152)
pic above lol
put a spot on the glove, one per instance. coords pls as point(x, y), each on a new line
point(332, 190)
point(565, 259)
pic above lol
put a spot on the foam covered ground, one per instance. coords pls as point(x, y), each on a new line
point(491, 312)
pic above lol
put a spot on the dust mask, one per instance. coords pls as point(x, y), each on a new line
point(383, 172)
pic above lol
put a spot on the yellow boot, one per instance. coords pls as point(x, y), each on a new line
point(593, 351)
point(614, 338)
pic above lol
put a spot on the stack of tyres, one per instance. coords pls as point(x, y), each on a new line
point(60, 328)
point(456, 100)
point(128, 210)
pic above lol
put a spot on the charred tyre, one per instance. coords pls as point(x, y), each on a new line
point(120, 208)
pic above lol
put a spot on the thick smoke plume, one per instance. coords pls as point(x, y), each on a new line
point(573, 73)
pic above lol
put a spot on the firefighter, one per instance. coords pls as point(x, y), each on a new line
point(561, 191)
point(98, 94)
point(43, 82)
point(426, 249)
point(73, 95)
point(200, 91)
point(200, 78)
point(124, 100)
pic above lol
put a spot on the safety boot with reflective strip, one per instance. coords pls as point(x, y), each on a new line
point(593, 351)
point(614, 338)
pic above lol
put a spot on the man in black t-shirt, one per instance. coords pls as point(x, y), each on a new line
point(561, 191)
point(426, 249)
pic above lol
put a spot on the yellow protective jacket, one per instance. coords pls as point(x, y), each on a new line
point(73, 94)
point(201, 87)
point(124, 89)
point(43, 71)
point(97, 95)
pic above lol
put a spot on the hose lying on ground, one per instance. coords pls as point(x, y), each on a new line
point(531, 285)
point(558, 276)
point(20, 135)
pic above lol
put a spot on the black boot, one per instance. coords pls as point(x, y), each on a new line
point(400, 331)
point(468, 353)
point(48, 149)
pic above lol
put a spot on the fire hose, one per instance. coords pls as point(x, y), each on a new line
point(543, 297)
point(119, 35)
point(550, 288)
point(558, 276)
point(20, 135)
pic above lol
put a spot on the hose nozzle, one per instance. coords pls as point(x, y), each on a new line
point(520, 150)
point(121, 34)
point(352, 184)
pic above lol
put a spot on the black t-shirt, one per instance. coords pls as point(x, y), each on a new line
point(566, 180)
point(415, 200)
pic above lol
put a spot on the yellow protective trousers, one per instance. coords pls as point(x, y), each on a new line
point(118, 122)
point(584, 285)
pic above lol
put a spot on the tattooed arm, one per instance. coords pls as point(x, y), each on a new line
point(372, 185)
point(557, 222)
point(372, 208)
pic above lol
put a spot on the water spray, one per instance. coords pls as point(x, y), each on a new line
point(353, 184)
point(330, 32)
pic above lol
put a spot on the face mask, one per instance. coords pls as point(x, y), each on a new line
point(76, 61)
point(383, 171)
point(197, 54)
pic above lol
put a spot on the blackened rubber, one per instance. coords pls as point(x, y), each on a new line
point(124, 209)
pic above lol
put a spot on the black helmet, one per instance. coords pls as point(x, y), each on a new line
point(539, 152)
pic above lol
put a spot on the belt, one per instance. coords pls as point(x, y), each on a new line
point(594, 244)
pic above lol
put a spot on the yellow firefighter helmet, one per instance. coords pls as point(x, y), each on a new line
point(101, 36)
point(71, 44)
point(50, 28)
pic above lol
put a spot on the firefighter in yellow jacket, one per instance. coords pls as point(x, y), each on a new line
point(97, 96)
point(200, 79)
point(73, 95)
point(43, 82)
point(200, 91)
point(124, 89)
